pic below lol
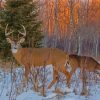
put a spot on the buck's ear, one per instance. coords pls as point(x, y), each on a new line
point(21, 40)
point(9, 40)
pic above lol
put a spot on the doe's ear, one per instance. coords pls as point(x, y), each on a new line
point(9, 40)
point(21, 40)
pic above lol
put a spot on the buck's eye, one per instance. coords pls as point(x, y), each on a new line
point(18, 43)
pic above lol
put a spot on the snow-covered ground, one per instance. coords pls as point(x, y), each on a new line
point(30, 95)
point(8, 89)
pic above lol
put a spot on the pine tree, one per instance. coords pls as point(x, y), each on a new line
point(15, 14)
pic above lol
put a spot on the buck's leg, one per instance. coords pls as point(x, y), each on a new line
point(26, 73)
point(67, 74)
point(55, 78)
point(25, 77)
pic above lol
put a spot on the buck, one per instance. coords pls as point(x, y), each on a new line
point(33, 57)
point(89, 63)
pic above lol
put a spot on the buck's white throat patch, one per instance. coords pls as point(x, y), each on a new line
point(14, 50)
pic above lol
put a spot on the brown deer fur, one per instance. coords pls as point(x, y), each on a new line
point(32, 57)
point(89, 63)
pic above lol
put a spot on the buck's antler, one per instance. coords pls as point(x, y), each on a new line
point(7, 33)
point(23, 33)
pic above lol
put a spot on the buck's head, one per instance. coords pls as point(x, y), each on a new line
point(15, 43)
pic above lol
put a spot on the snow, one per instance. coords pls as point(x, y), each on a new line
point(30, 95)
point(51, 96)
point(5, 86)
point(33, 96)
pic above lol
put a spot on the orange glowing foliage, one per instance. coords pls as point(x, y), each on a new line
point(76, 7)
point(96, 2)
point(51, 17)
point(59, 13)
point(48, 16)
point(63, 15)
point(58, 16)
point(94, 13)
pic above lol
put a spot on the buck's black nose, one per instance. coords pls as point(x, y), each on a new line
point(67, 62)
point(15, 48)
